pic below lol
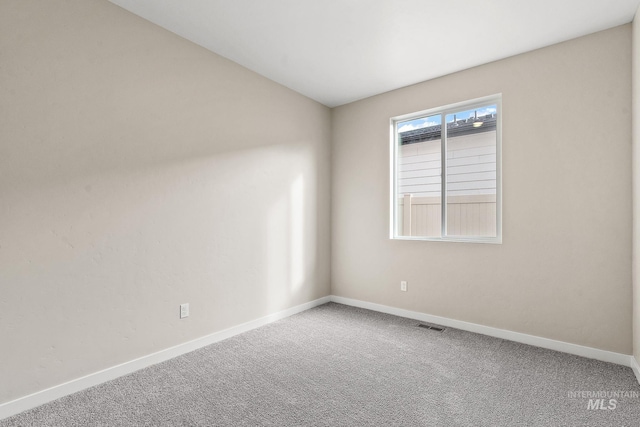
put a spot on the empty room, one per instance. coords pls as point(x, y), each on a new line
point(319, 213)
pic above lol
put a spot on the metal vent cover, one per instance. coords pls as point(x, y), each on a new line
point(431, 327)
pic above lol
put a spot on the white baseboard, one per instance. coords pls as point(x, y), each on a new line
point(636, 368)
point(41, 397)
point(578, 350)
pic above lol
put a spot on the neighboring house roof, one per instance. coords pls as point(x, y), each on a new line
point(457, 128)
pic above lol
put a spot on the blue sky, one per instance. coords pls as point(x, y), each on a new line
point(436, 120)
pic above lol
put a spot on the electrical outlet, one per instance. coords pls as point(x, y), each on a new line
point(184, 310)
point(403, 286)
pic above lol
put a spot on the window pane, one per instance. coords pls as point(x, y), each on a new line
point(419, 181)
point(471, 172)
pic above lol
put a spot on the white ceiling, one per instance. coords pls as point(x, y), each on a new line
point(338, 51)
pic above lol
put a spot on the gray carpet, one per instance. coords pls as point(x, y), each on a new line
point(336, 365)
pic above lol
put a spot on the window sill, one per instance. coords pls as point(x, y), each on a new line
point(490, 240)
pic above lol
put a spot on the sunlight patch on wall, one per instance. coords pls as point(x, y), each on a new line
point(296, 233)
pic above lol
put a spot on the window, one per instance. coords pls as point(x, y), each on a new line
point(446, 178)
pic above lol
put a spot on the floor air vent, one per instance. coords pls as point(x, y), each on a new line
point(432, 327)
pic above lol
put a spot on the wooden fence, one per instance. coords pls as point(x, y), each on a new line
point(472, 215)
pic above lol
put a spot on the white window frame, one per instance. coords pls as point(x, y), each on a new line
point(443, 112)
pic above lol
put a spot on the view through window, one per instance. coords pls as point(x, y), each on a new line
point(449, 171)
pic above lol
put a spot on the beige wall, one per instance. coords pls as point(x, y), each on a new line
point(564, 268)
point(139, 171)
point(636, 183)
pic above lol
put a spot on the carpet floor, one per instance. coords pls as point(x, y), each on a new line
point(336, 365)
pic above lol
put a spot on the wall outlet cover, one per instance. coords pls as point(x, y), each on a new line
point(184, 310)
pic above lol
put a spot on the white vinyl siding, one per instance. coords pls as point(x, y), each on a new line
point(472, 166)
